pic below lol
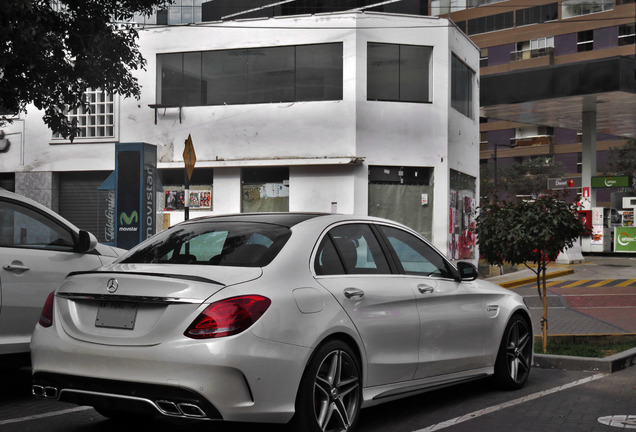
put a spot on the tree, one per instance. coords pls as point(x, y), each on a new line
point(524, 231)
point(52, 51)
point(621, 161)
point(530, 177)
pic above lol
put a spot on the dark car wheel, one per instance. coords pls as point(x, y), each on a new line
point(329, 395)
point(514, 358)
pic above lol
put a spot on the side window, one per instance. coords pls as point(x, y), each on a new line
point(26, 228)
point(351, 249)
point(415, 256)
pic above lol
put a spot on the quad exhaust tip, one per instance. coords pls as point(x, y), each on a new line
point(44, 392)
point(180, 409)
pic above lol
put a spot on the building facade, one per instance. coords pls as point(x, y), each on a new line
point(360, 113)
point(550, 71)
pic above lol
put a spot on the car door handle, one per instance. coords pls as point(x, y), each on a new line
point(425, 289)
point(16, 268)
point(353, 293)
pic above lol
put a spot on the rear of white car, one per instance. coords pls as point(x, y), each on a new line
point(268, 318)
point(177, 339)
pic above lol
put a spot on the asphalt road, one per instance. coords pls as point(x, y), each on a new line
point(553, 401)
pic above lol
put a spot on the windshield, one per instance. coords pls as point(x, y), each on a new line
point(237, 244)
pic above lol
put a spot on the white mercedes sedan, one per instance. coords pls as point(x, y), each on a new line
point(281, 317)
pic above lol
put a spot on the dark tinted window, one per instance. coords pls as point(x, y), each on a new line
point(26, 228)
point(255, 75)
point(415, 256)
point(236, 244)
point(351, 249)
point(398, 72)
point(270, 74)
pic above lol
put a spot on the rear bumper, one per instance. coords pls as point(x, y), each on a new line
point(125, 396)
point(239, 378)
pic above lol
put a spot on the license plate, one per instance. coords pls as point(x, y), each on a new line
point(117, 315)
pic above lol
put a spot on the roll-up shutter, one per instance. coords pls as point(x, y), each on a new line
point(82, 203)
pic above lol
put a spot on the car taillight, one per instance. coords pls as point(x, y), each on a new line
point(46, 318)
point(228, 317)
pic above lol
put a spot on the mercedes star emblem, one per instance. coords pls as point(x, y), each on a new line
point(112, 285)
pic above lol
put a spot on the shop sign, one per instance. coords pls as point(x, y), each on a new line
point(625, 239)
point(565, 183)
point(610, 182)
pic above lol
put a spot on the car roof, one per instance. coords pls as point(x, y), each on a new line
point(283, 219)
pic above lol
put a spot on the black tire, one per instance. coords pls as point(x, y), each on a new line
point(330, 392)
point(514, 358)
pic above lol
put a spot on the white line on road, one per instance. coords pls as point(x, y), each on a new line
point(508, 404)
point(45, 415)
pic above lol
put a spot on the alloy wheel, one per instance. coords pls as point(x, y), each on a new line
point(519, 350)
point(336, 392)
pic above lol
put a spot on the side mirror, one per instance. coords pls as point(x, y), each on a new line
point(467, 271)
point(87, 242)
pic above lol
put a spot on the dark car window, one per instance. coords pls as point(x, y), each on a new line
point(414, 255)
point(236, 244)
point(350, 249)
point(26, 228)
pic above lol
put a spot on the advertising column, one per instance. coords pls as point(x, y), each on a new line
point(135, 171)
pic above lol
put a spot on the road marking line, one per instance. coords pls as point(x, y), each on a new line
point(574, 284)
point(601, 283)
point(628, 282)
point(495, 408)
point(45, 415)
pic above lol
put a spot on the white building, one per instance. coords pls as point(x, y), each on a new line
point(363, 113)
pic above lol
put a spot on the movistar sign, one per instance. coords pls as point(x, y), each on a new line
point(625, 239)
point(610, 182)
point(135, 170)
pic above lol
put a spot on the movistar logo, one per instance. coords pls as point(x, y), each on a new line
point(624, 239)
point(124, 219)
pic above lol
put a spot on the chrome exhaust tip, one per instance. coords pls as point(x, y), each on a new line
point(44, 392)
point(190, 410)
point(167, 407)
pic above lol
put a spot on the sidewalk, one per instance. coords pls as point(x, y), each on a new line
point(594, 298)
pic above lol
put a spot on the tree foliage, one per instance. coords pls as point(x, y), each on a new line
point(622, 161)
point(52, 51)
point(530, 177)
point(523, 232)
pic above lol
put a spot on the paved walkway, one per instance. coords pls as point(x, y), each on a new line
point(597, 296)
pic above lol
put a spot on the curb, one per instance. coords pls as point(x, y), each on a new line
point(610, 364)
point(524, 281)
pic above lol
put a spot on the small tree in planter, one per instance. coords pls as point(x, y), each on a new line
point(528, 232)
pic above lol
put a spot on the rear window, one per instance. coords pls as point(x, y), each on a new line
point(235, 244)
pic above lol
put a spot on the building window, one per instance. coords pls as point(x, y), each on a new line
point(398, 73)
point(626, 34)
point(534, 48)
point(98, 119)
point(537, 14)
point(462, 78)
point(483, 57)
point(573, 8)
point(477, 3)
point(247, 76)
point(265, 189)
point(491, 23)
point(585, 41)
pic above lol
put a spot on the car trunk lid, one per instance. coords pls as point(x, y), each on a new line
point(140, 304)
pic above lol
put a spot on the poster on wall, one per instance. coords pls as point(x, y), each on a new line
point(174, 200)
point(200, 199)
point(461, 235)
